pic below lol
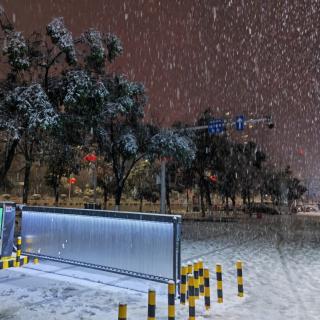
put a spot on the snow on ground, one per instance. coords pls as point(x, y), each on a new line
point(281, 277)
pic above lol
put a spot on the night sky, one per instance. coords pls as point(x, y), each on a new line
point(239, 57)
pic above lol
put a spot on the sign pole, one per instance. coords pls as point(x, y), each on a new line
point(163, 187)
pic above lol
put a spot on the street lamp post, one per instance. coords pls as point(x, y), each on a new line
point(92, 158)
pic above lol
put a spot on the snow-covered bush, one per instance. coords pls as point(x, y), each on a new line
point(62, 37)
point(17, 50)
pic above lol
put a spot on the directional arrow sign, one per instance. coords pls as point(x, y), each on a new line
point(240, 123)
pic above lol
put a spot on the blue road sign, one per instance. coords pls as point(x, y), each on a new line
point(216, 126)
point(240, 123)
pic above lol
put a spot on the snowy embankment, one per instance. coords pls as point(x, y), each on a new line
point(281, 277)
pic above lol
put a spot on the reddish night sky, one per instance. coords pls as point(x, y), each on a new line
point(244, 57)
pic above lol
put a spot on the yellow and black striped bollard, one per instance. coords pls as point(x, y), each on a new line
point(192, 298)
point(171, 297)
point(201, 279)
point(183, 284)
point(152, 304)
point(190, 271)
point(18, 255)
point(196, 278)
point(240, 279)
point(122, 314)
point(207, 288)
point(219, 283)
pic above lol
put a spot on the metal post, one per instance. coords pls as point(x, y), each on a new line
point(171, 300)
point(70, 186)
point(163, 187)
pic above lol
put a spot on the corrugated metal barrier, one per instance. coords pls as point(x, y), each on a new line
point(136, 244)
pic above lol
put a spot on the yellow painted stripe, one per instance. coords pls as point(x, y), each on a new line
point(122, 311)
point(152, 298)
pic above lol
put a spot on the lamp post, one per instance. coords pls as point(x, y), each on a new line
point(71, 182)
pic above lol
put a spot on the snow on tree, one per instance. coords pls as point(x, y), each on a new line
point(114, 46)
point(62, 37)
point(171, 144)
point(31, 107)
point(83, 94)
point(97, 54)
point(16, 49)
point(128, 144)
point(126, 98)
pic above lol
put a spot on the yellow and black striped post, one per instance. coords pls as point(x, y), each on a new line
point(122, 314)
point(240, 279)
point(207, 288)
point(201, 279)
point(183, 284)
point(192, 298)
point(196, 278)
point(190, 267)
point(152, 304)
point(18, 255)
point(171, 297)
point(219, 283)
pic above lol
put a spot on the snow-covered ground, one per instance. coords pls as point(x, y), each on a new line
point(281, 258)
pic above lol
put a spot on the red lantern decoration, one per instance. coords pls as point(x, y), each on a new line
point(72, 180)
point(301, 152)
point(91, 157)
point(213, 179)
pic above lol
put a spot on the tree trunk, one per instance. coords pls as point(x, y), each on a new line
point(141, 203)
point(233, 199)
point(203, 209)
point(227, 204)
point(187, 201)
point(208, 198)
point(168, 200)
point(105, 196)
point(8, 161)
point(118, 194)
point(26, 184)
point(56, 194)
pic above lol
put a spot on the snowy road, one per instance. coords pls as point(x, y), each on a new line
point(281, 277)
